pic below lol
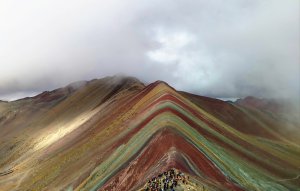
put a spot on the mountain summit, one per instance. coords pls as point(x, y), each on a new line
point(116, 133)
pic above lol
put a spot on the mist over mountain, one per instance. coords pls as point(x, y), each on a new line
point(213, 48)
point(142, 95)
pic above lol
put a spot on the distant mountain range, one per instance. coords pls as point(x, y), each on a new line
point(116, 133)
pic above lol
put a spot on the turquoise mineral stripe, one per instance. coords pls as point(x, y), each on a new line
point(234, 168)
point(170, 104)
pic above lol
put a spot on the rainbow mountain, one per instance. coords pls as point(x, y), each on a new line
point(116, 133)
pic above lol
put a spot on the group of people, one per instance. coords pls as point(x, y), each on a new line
point(166, 181)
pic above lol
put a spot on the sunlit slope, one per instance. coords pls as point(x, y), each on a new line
point(116, 137)
point(30, 128)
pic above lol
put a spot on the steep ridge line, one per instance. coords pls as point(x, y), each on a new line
point(212, 122)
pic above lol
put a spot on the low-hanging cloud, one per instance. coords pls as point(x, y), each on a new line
point(216, 48)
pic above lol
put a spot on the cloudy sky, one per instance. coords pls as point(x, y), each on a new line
point(218, 48)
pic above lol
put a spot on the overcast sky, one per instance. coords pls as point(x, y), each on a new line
point(219, 48)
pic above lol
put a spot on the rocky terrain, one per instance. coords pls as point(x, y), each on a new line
point(116, 133)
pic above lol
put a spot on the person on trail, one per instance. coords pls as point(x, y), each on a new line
point(175, 183)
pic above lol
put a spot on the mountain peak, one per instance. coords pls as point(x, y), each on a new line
point(115, 133)
point(263, 104)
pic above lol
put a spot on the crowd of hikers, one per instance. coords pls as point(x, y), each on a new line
point(166, 181)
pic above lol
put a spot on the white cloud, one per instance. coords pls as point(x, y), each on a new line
point(182, 51)
point(217, 48)
point(171, 46)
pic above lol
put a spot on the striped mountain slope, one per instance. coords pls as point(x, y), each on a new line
point(116, 133)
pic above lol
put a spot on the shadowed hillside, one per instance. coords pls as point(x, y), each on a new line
point(116, 134)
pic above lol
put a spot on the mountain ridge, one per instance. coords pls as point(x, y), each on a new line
point(98, 137)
